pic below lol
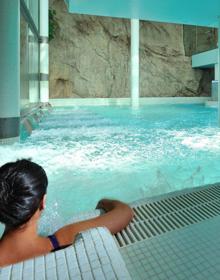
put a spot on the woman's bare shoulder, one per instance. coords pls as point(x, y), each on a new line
point(11, 254)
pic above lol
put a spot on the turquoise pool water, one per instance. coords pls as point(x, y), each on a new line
point(117, 152)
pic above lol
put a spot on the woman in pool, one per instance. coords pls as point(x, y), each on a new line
point(23, 186)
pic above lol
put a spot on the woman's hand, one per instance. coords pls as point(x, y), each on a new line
point(118, 215)
point(100, 204)
point(110, 204)
point(105, 204)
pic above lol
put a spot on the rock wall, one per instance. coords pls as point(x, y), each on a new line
point(90, 57)
point(199, 39)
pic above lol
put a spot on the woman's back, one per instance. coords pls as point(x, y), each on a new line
point(23, 186)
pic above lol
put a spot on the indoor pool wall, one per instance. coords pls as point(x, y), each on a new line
point(59, 102)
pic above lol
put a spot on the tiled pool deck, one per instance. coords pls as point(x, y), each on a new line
point(182, 236)
point(189, 253)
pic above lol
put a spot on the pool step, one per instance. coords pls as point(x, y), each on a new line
point(153, 218)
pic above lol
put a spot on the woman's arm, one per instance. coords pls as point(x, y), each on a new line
point(117, 216)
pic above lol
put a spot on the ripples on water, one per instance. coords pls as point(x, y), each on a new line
point(89, 153)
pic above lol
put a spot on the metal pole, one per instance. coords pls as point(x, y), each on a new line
point(135, 63)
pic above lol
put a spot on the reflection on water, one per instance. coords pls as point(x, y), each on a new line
point(90, 153)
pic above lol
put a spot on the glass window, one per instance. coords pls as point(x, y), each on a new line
point(33, 7)
point(199, 39)
point(29, 66)
point(33, 53)
point(34, 10)
point(24, 80)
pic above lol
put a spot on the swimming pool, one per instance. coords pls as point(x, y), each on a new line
point(117, 152)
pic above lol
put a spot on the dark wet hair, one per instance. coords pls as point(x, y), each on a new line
point(22, 186)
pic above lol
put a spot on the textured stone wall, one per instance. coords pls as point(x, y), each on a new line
point(90, 57)
point(198, 39)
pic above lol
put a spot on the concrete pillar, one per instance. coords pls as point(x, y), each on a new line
point(44, 51)
point(135, 63)
point(9, 70)
point(218, 78)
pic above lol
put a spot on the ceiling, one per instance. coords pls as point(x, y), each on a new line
point(193, 12)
